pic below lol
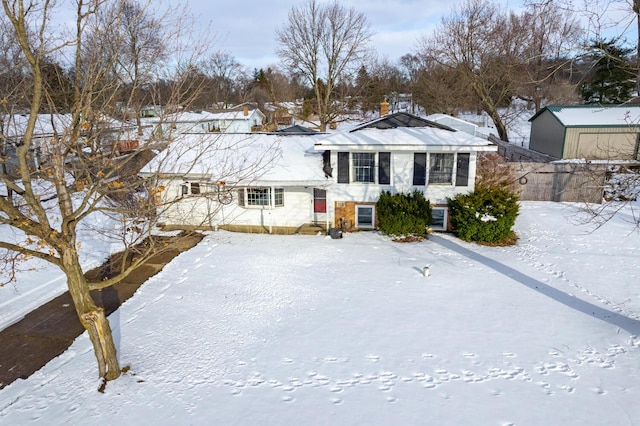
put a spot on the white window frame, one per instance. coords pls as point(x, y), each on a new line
point(275, 196)
point(445, 218)
point(374, 170)
point(452, 175)
point(373, 216)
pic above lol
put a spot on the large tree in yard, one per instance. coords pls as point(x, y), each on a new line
point(325, 43)
point(497, 56)
point(55, 183)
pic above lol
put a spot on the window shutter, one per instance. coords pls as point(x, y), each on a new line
point(343, 167)
point(384, 168)
point(419, 168)
point(462, 170)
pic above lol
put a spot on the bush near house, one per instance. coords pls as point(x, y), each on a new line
point(485, 215)
point(403, 214)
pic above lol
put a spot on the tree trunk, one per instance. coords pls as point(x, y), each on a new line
point(92, 318)
point(497, 120)
point(636, 10)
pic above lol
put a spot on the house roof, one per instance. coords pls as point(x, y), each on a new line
point(593, 115)
point(403, 138)
point(48, 124)
point(445, 117)
point(296, 129)
point(204, 116)
point(400, 119)
point(242, 159)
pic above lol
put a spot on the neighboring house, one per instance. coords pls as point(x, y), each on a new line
point(587, 132)
point(267, 182)
point(229, 121)
point(398, 153)
point(106, 133)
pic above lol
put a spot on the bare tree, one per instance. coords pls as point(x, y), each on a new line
point(498, 56)
point(326, 44)
point(48, 198)
point(225, 74)
point(481, 44)
point(548, 58)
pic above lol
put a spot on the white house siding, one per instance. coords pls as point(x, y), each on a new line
point(297, 210)
point(401, 181)
point(204, 210)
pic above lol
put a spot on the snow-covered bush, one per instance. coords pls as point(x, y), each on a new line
point(485, 215)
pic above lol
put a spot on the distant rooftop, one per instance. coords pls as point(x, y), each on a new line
point(594, 115)
point(296, 129)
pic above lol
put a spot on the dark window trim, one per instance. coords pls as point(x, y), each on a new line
point(462, 168)
point(343, 167)
point(419, 168)
point(384, 168)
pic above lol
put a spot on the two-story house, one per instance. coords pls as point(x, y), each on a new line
point(397, 153)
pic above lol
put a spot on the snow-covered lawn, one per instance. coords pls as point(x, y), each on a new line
point(306, 330)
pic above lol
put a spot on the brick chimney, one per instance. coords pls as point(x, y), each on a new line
point(384, 108)
point(245, 110)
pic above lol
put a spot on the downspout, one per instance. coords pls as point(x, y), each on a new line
point(272, 199)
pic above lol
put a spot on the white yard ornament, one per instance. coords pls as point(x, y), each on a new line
point(425, 271)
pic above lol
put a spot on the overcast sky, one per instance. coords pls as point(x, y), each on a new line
point(247, 29)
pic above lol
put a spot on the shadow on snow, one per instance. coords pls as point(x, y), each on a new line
point(628, 324)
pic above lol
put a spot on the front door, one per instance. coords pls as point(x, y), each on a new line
point(319, 205)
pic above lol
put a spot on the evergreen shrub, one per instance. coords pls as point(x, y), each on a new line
point(403, 214)
point(485, 215)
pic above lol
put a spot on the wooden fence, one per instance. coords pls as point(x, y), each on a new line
point(571, 182)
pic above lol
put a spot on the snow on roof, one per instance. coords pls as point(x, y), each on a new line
point(202, 116)
point(449, 118)
point(403, 138)
point(594, 115)
point(48, 124)
point(256, 158)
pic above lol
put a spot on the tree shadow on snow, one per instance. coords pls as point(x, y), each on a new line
point(628, 324)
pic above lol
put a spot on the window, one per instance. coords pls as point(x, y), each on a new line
point(361, 167)
point(261, 196)
point(439, 216)
point(193, 188)
point(365, 216)
point(278, 197)
point(440, 168)
point(258, 197)
point(364, 166)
